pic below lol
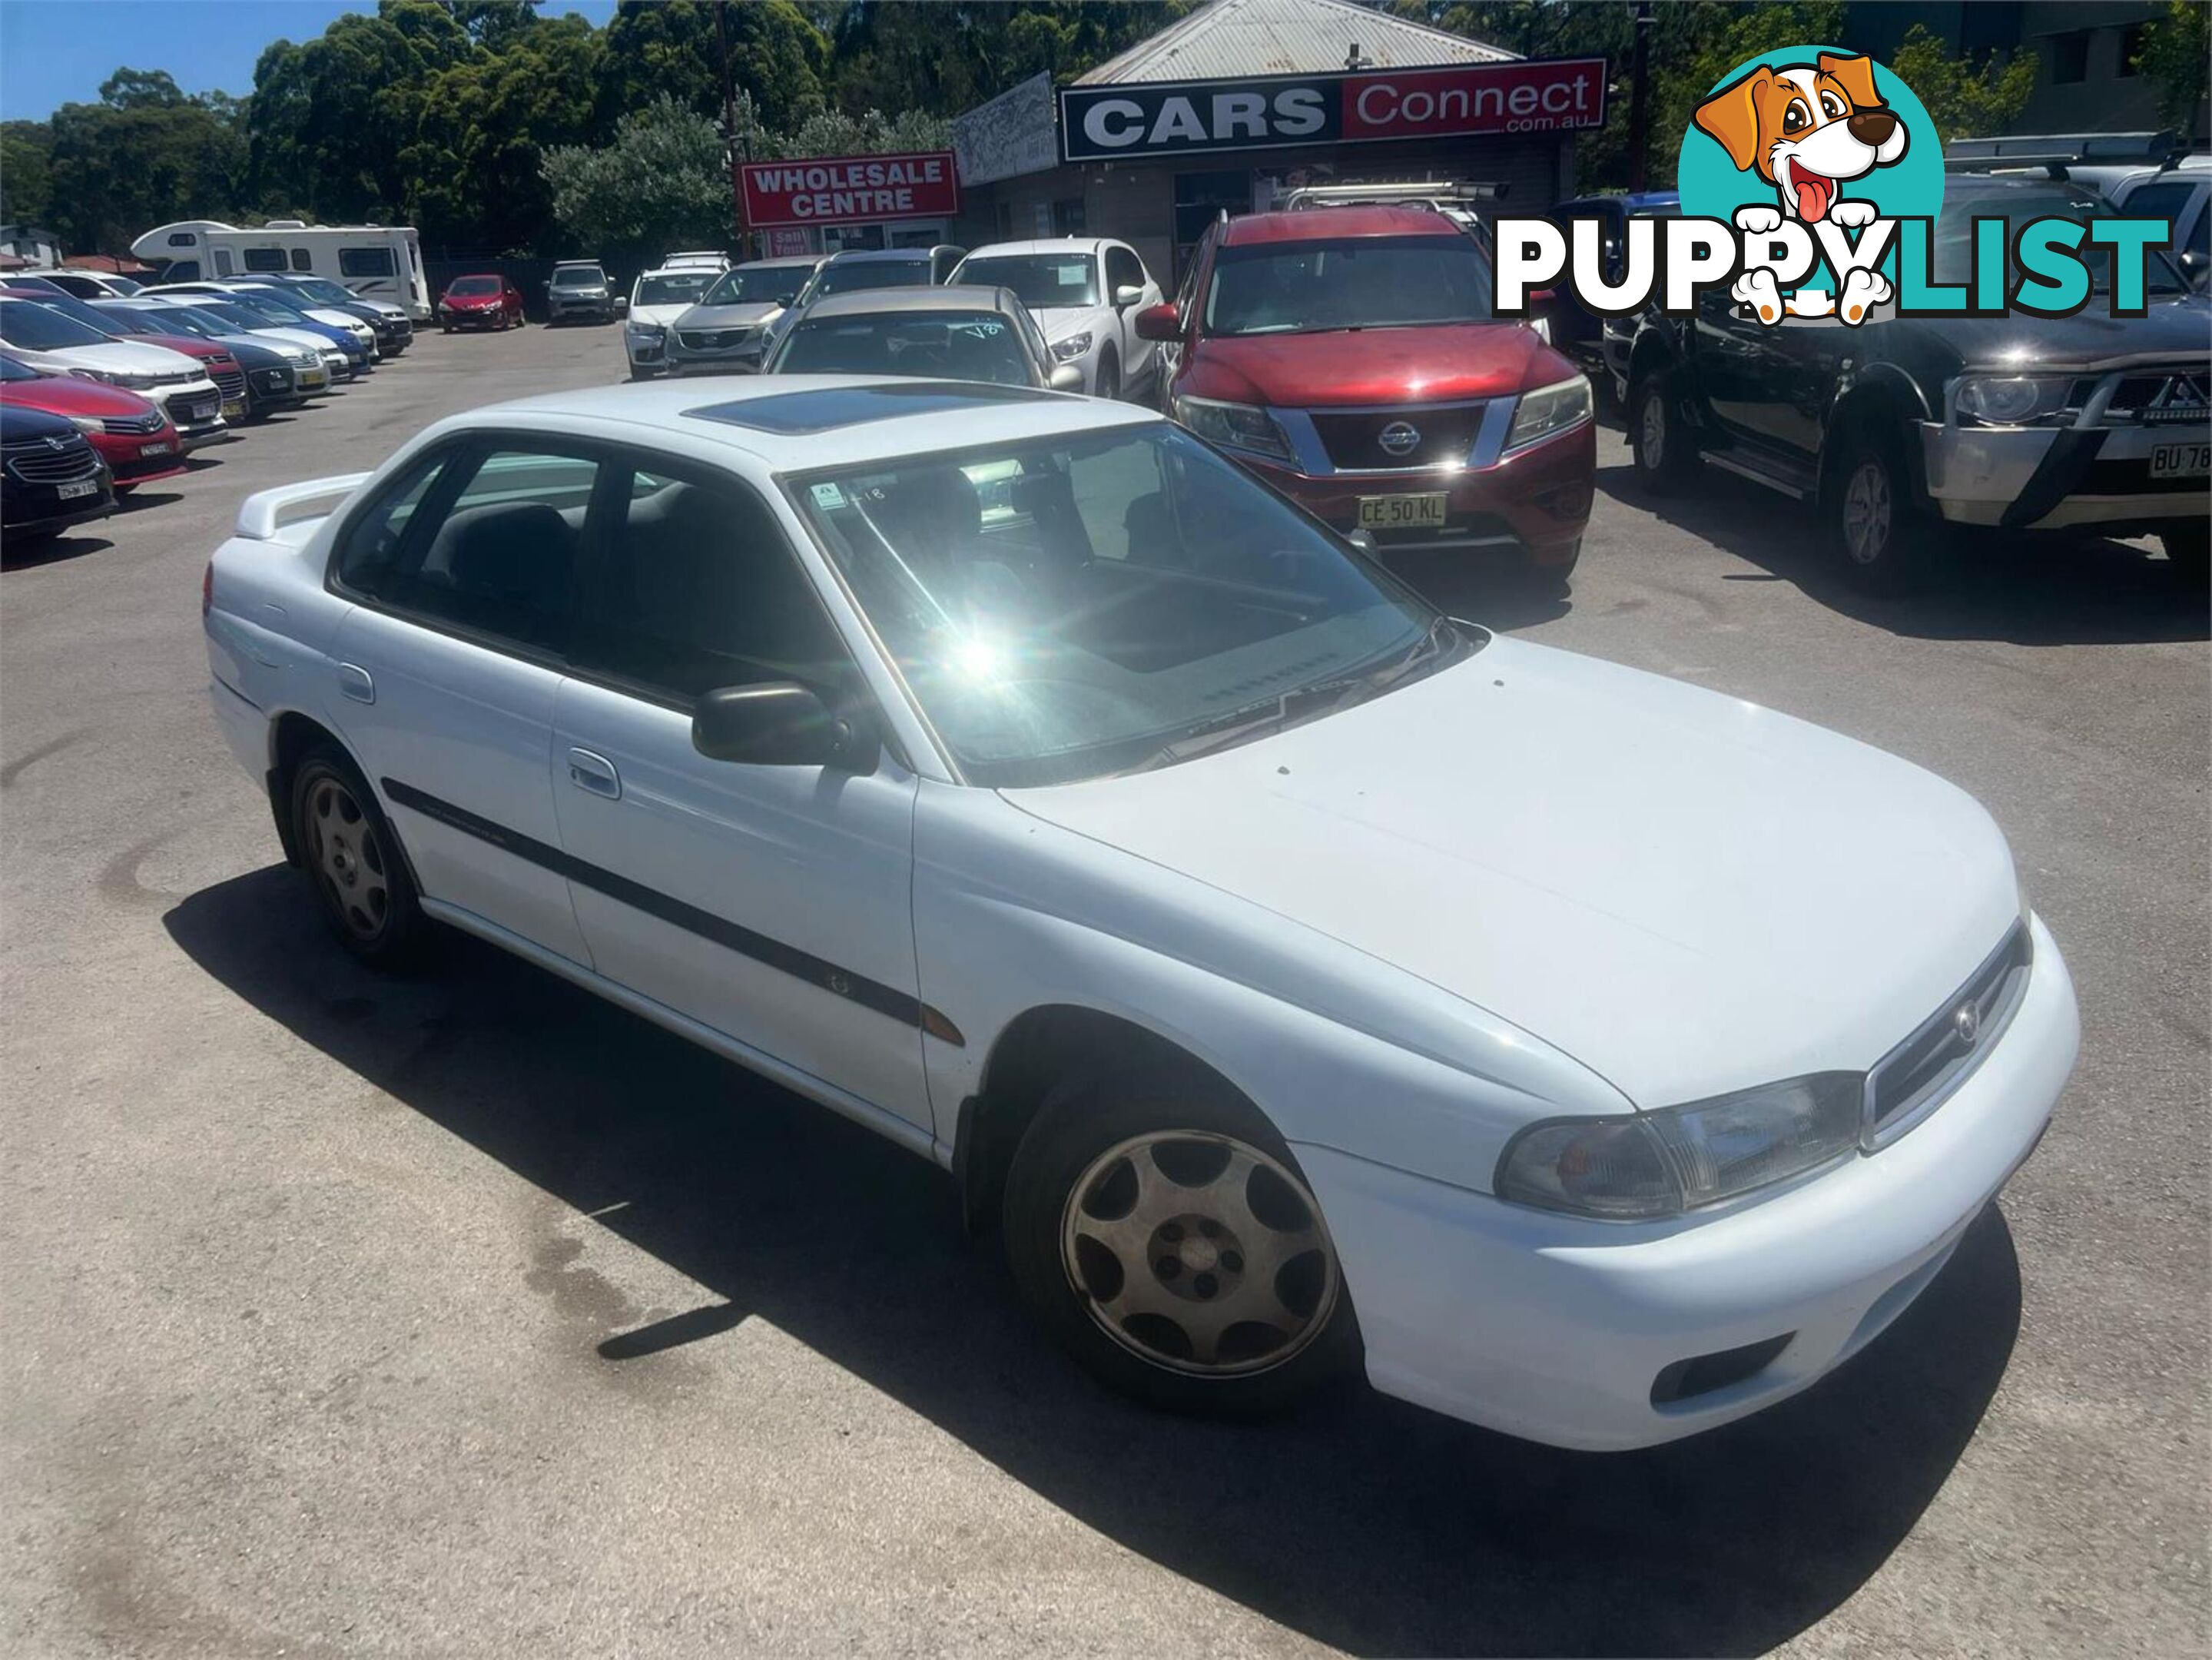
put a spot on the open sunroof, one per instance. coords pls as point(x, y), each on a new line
point(798, 413)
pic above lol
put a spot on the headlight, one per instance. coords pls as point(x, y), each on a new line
point(1234, 426)
point(1549, 410)
point(1646, 1165)
point(2012, 400)
point(644, 331)
point(87, 423)
point(1074, 346)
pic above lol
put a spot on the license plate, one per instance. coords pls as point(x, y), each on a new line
point(234, 410)
point(155, 449)
point(2180, 460)
point(1402, 512)
point(202, 412)
point(83, 487)
point(313, 378)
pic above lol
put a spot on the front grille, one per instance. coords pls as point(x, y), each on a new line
point(231, 383)
point(2160, 396)
point(1443, 434)
point(42, 464)
point(135, 426)
point(192, 410)
point(711, 339)
point(1919, 1072)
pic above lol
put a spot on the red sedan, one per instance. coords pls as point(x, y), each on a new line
point(130, 432)
point(480, 302)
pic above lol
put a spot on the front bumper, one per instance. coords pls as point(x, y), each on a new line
point(1558, 1328)
point(128, 463)
point(1536, 502)
point(742, 356)
point(2059, 477)
point(649, 352)
point(41, 509)
point(601, 307)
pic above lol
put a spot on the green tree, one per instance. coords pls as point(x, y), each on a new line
point(664, 182)
point(1964, 100)
point(670, 47)
point(145, 154)
point(2173, 55)
point(832, 132)
point(26, 172)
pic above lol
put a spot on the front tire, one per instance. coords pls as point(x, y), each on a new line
point(1159, 1230)
point(353, 860)
point(1107, 383)
point(1882, 535)
point(1659, 439)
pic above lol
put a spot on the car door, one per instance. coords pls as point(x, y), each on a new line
point(462, 569)
point(1125, 270)
point(771, 904)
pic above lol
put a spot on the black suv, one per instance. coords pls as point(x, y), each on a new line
point(1896, 428)
point(50, 476)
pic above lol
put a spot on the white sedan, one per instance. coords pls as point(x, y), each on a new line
point(1302, 979)
point(1085, 293)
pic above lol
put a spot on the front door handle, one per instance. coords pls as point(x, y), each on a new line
point(595, 773)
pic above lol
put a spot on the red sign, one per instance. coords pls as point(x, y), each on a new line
point(1561, 95)
point(851, 190)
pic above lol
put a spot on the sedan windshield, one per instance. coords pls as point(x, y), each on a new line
point(161, 319)
point(1954, 258)
point(322, 292)
point(1357, 282)
point(467, 287)
point(939, 345)
point(755, 285)
point(236, 316)
point(681, 288)
point(858, 274)
point(1038, 280)
point(1098, 602)
point(14, 369)
point(37, 327)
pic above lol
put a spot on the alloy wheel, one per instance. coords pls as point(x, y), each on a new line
point(1867, 512)
point(1652, 429)
point(347, 859)
point(1199, 1253)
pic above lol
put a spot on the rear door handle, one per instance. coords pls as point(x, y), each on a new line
point(356, 683)
point(595, 773)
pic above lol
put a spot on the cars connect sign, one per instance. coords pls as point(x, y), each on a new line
point(848, 190)
point(1110, 123)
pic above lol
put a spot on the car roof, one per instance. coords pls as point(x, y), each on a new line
point(869, 302)
point(862, 256)
point(1328, 224)
point(800, 421)
point(780, 261)
point(1042, 245)
point(560, 264)
point(708, 272)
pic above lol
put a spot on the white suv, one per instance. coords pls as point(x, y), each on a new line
point(1021, 778)
point(1085, 293)
point(657, 299)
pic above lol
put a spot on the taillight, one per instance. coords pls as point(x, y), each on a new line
point(207, 590)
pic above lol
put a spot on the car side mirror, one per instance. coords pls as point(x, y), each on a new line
point(622, 303)
point(1065, 377)
point(1127, 295)
point(783, 300)
point(779, 723)
point(1365, 541)
point(1160, 322)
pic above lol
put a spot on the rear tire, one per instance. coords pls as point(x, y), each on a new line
point(1160, 1231)
point(353, 860)
point(1882, 536)
point(1658, 437)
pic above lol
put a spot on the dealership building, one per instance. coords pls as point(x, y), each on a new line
point(1241, 101)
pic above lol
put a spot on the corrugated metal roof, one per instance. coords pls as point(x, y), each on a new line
point(1286, 36)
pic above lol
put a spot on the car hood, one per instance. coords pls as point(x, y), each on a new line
point(1374, 366)
point(2173, 326)
point(1058, 322)
point(726, 317)
point(661, 316)
point(121, 356)
point(319, 345)
point(72, 394)
point(471, 301)
point(1686, 893)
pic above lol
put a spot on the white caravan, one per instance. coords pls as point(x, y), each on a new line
point(377, 262)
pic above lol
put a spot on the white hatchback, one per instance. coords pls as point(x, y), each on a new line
point(1085, 293)
point(1299, 976)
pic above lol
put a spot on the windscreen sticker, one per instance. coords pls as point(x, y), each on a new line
point(829, 497)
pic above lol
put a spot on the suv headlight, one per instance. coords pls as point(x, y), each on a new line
point(644, 331)
point(2012, 400)
point(1646, 1165)
point(1548, 411)
point(87, 423)
point(1234, 426)
point(1073, 347)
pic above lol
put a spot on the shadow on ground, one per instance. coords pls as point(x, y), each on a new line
point(22, 552)
point(1362, 1522)
point(2024, 590)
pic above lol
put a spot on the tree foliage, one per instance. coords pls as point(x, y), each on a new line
point(1964, 100)
point(664, 179)
point(2174, 54)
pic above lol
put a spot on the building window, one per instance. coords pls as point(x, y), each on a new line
point(2131, 45)
point(1068, 217)
point(2070, 58)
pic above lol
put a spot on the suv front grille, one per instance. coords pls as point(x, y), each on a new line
point(1919, 1072)
point(2181, 396)
point(1441, 435)
point(43, 464)
point(135, 426)
point(711, 339)
point(230, 382)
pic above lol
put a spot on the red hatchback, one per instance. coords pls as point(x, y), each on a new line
point(1349, 356)
point(130, 432)
point(480, 302)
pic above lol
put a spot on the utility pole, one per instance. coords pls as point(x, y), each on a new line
point(1639, 93)
point(730, 135)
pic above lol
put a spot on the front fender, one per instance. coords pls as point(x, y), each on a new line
point(1337, 1049)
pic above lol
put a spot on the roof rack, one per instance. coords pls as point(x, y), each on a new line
point(1438, 193)
point(2050, 167)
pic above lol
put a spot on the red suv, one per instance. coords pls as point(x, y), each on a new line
point(1349, 356)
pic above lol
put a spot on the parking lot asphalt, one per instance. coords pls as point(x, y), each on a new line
point(462, 1315)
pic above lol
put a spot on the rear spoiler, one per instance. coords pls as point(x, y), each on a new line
point(263, 514)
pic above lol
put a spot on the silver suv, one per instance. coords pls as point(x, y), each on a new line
point(579, 288)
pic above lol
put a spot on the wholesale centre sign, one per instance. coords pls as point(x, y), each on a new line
point(850, 190)
point(1540, 96)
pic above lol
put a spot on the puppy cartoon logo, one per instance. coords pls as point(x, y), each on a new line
point(1805, 128)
